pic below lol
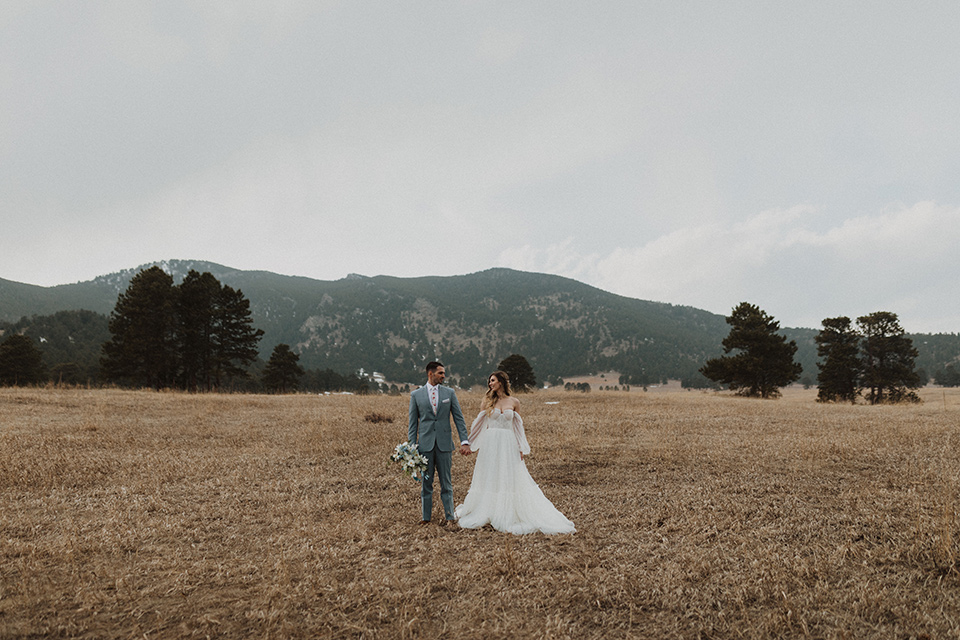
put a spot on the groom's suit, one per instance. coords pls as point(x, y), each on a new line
point(431, 431)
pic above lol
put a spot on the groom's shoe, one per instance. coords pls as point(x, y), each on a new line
point(451, 525)
point(424, 522)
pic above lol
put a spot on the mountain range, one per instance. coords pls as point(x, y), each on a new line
point(471, 322)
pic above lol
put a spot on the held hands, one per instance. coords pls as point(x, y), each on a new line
point(465, 450)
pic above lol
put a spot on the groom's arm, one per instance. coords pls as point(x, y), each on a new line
point(460, 424)
point(414, 420)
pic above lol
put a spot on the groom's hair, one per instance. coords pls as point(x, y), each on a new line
point(433, 366)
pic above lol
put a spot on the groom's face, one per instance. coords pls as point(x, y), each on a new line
point(436, 376)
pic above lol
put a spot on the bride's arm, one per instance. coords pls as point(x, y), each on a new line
point(519, 433)
point(475, 430)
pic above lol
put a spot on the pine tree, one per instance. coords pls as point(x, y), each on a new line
point(520, 372)
point(235, 343)
point(888, 357)
point(195, 335)
point(196, 307)
point(764, 359)
point(839, 346)
point(143, 325)
point(21, 362)
point(282, 372)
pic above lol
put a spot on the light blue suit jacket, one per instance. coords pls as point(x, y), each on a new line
point(428, 429)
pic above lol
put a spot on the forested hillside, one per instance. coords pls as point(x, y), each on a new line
point(394, 325)
point(70, 342)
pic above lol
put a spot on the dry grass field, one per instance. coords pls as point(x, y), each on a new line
point(165, 515)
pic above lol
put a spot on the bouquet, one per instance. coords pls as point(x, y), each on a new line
point(411, 461)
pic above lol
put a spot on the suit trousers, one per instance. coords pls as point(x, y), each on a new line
point(439, 462)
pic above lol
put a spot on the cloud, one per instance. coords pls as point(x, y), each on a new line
point(561, 258)
point(904, 261)
point(651, 149)
point(921, 233)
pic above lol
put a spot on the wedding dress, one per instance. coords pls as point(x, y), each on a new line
point(502, 492)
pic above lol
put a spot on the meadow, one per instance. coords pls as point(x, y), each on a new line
point(699, 515)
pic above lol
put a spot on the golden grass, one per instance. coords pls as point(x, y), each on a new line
point(165, 515)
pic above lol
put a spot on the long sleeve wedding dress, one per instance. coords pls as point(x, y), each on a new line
point(502, 492)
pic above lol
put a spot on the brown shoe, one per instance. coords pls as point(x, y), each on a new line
point(424, 522)
point(451, 525)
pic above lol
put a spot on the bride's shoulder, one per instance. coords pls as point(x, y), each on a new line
point(514, 404)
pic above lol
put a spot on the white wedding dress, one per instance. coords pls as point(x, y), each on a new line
point(502, 492)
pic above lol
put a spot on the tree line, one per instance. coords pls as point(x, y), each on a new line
point(199, 336)
point(194, 336)
point(873, 358)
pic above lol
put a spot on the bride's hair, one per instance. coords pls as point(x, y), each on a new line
point(491, 398)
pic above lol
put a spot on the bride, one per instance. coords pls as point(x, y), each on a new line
point(502, 492)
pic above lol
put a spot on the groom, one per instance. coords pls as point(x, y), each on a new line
point(430, 409)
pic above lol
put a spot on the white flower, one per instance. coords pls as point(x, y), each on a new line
point(412, 462)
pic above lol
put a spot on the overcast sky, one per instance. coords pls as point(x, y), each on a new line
point(802, 156)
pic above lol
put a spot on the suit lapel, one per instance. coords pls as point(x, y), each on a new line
point(441, 392)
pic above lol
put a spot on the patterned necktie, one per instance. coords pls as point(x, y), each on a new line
point(433, 398)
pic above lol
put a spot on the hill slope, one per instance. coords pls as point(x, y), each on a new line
point(394, 325)
point(471, 322)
